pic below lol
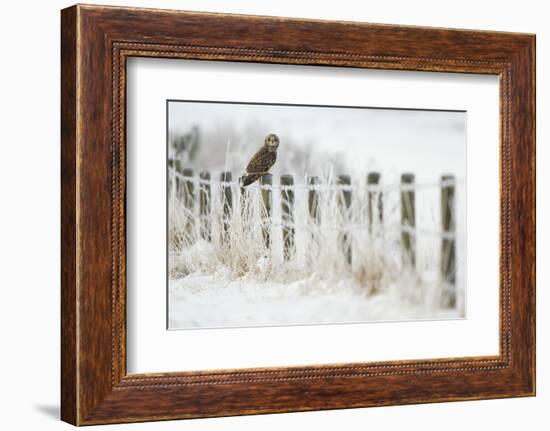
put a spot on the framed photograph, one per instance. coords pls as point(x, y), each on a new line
point(338, 238)
point(265, 214)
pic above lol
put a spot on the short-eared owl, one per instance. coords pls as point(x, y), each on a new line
point(262, 161)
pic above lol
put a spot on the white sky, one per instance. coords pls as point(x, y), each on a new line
point(428, 143)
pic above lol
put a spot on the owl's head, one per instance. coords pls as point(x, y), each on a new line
point(271, 141)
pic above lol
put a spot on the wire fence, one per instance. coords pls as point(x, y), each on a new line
point(444, 182)
point(313, 204)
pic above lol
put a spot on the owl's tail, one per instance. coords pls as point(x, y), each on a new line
point(246, 180)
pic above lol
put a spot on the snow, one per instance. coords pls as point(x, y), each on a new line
point(216, 300)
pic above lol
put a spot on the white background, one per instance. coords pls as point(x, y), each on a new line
point(29, 228)
point(152, 349)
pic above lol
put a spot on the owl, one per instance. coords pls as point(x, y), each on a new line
point(262, 161)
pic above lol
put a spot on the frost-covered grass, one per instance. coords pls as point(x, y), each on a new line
point(236, 280)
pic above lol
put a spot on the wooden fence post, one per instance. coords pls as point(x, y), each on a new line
point(188, 199)
point(266, 181)
point(170, 177)
point(244, 208)
point(314, 210)
point(313, 199)
point(408, 220)
point(188, 190)
point(344, 201)
point(205, 203)
point(448, 244)
point(287, 207)
point(227, 204)
point(374, 197)
point(177, 168)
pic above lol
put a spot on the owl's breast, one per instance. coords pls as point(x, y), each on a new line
point(273, 157)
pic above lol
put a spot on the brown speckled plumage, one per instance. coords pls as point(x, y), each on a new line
point(262, 161)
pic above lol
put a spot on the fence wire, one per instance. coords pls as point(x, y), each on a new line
point(373, 188)
point(450, 182)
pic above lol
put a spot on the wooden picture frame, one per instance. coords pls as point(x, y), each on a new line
point(95, 43)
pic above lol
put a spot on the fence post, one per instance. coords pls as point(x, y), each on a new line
point(245, 210)
point(314, 210)
point(313, 199)
point(243, 195)
point(177, 168)
point(287, 207)
point(227, 204)
point(171, 177)
point(266, 181)
point(205, 203)
point(373, 181)
point(408, 222)
point(188, 198)
point(344, 201)
point(448, 247)
point(188, 190)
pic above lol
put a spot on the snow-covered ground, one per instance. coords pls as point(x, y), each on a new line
point(216, 300)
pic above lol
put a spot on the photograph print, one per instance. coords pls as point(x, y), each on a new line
point(283, 214)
